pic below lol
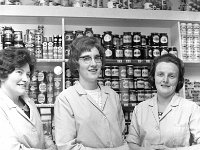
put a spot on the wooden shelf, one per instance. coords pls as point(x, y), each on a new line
point(27, 14)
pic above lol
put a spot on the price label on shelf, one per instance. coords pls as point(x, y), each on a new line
point(148, 61)
point(128, 61)
point(126, 105)
point(119, 60)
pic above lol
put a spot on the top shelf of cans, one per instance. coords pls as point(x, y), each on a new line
point(27, 14)
point(182, 5)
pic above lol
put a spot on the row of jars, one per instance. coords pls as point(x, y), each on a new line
point(127, 38)
point(128, 71)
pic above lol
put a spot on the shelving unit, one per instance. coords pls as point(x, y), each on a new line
point(57, 20)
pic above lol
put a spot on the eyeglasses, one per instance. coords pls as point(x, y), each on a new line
point(88, 59)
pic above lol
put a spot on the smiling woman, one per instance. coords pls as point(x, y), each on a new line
point(88, 116)
point(20, 126)
point(166, 121)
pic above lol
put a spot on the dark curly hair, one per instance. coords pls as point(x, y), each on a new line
point(168, 58)
point(80, 45)
point(11, 58)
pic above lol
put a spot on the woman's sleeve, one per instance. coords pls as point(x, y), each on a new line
point(134, 135)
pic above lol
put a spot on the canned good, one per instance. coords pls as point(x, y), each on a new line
point(137, 54)
point(88, 32)
point(119, 53)
point(68, 82)
point(145, 71)
point(163, 50)
point(133, 96)
point(155, 39)
point(69, 37)
point(163, 39)
point(127, 38)
point(130, 83)
point(100, 82)
point(107, 82)
point(130, 72)
point(140, 83)
point(137, 71)
point(116, 41)
point(107, 71)
point(124, 83)
point(122, 72)
point(155, 51)
point(79, 33)
point(115, 71)
point(115, 84)
point(109, 51)
point(107, 38)
point(136, 38)
point(128, 51)
point(18, 36)
point(140, 95)
point(125, 97)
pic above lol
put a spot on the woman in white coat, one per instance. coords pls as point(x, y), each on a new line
point(166, 121)
point(20, 125)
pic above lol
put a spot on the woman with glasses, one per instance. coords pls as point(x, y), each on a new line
point(88, 116)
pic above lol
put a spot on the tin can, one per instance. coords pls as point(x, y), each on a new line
point(133, 96)
point(122, 72)
point(143, 40)
point(155, 38)
point(125, 97)
point(58, 78)
point(88, 32)
point(140, 95)
point(116, 41)
point(38, 52)
point(68, 82)
point(100, 81)
point(109, 51)
point(107, 38)
point(124, 84)
point(50, 77)
point(137, 71)
point(18, 36)
point(163, 50)
point(127, 38)
point(128, 51)
point(136, 38)
point(137, 54)
point(7, 34)
point(115, 84)
point(107, 71)
point(131, 83)
point(69, 37)
point(163, 39)
point(145, 71)
point(107, 82)
point(155, 51)
point(50, 93)
point(130, 72)
point(119, 52)
point(140, 83)
point(79, 33)
point(115, 71)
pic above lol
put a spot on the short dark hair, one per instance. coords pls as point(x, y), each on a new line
point(168, 58)
point(80, 45)
point(11, 58)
